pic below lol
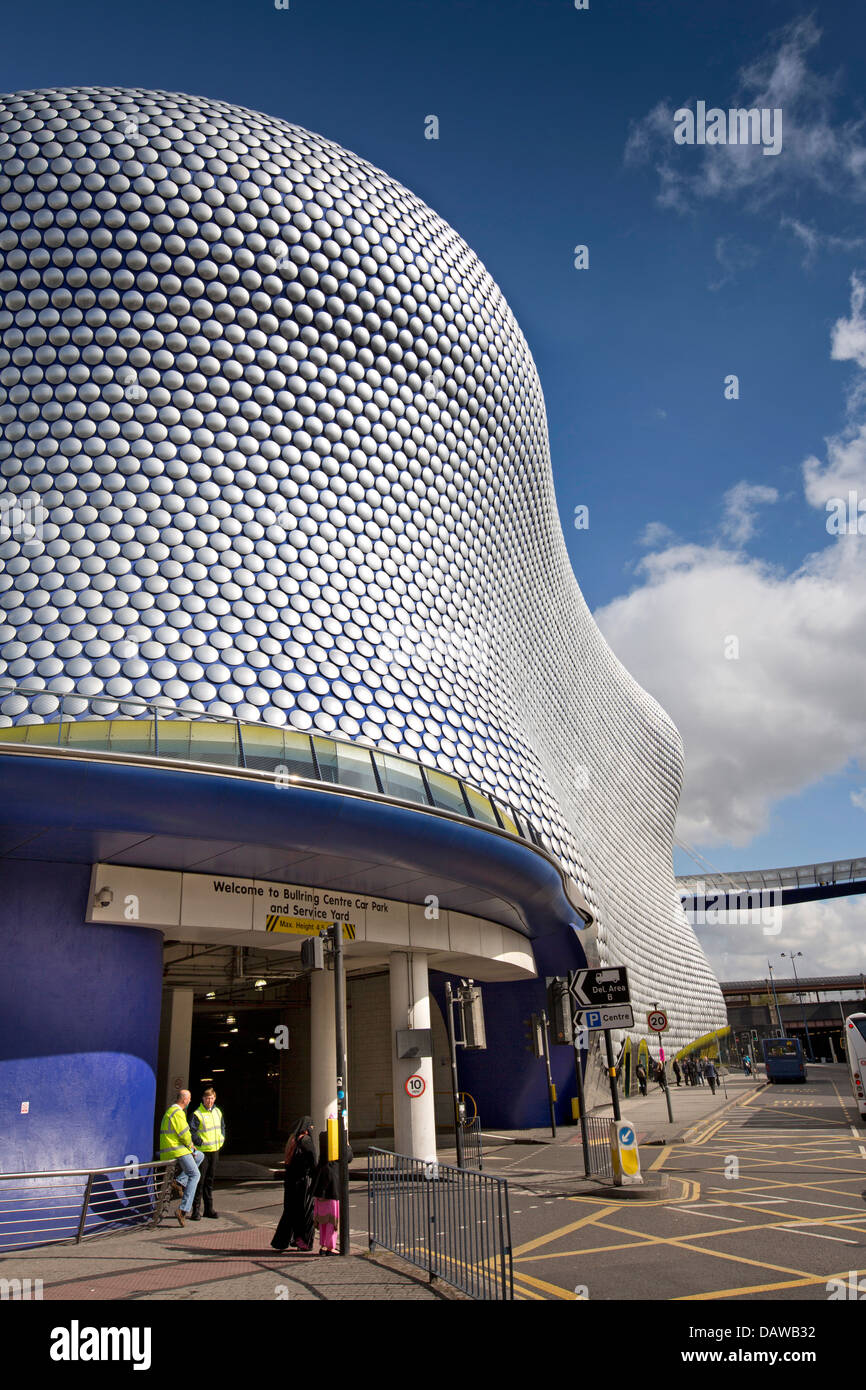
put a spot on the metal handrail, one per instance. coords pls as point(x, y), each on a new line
point(74, 1204)
point(83, 1172)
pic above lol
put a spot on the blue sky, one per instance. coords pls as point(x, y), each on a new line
point(555, 130)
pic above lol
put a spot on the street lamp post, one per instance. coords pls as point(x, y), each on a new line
point(776, 1000)
point(791, 957)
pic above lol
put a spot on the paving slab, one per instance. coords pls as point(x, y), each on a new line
point(230, 1258)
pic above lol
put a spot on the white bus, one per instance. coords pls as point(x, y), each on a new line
point(855, 1040)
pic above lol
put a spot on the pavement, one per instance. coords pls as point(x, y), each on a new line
point(226, 1259)
point(649, 1113)
point(231, 1258)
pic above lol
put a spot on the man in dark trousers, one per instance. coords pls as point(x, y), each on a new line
point(677, 1072)
point(208, 1129)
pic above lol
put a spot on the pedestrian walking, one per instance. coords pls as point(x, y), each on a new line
point(661, 1076)
point(712, 1075)
point(175, 1141)
point(208, 1129)
point(297, 1223)
point(640, 1073)
point(326, 1195)
point(702, 1071)
point(677, 1072)
point(747, 1066)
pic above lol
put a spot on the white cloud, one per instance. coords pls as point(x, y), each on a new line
point(814, 240)
point(849, 335)
point(844, 470)
point(830, 934)
point(733, 255)
point(656, 533)
point(809, 236)
point(741, 506)
point(763, 670)
point(787, 711)
point(858, 799)
point(816, 150)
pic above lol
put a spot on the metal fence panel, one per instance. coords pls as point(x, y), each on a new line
point(77, 1204)
point(598, 1140)
point(451, 1222)
point(473, 1156)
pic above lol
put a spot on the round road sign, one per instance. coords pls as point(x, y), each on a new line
point(657, 1020)
point(415, 1086)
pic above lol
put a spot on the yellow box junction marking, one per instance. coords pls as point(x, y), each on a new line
point(564, 1230)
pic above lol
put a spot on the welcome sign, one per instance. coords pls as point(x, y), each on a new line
point(194, 904)
point(229, 911)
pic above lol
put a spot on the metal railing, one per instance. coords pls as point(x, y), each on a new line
point(473, 1155)
point(452, 1223)
point(34, 716)
point(81, 1203)
point(598, 1146)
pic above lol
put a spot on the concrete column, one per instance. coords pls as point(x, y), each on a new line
point(323, 1048)
point(414, 1119)
point(175, 1040)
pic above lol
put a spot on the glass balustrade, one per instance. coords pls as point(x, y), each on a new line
point(190, 736)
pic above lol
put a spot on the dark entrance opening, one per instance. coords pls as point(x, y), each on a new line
point(233, 1049)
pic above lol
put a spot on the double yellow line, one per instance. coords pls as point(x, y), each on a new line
point(707, 1134)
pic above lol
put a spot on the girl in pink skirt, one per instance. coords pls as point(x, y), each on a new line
point(326, 1191)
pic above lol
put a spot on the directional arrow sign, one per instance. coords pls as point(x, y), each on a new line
point(614, 1016)
point(599, 987)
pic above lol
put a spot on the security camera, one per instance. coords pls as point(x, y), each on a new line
point(104, 897)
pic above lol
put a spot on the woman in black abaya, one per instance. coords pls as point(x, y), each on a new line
point(297, 1221)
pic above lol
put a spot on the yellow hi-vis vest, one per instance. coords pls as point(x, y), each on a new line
point(210, 1129)
point(175, 1139)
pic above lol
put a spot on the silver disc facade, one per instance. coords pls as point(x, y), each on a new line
point(288, 451)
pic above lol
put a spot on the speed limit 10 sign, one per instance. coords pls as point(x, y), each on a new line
point(415, 1086)
point(658, 1021)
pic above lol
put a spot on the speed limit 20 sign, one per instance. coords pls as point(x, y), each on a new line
point(657, 1020)
point(415, 1086)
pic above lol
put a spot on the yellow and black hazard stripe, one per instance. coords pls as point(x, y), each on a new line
point(278, 922)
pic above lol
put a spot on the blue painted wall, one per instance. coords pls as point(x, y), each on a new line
point(79, 1026)
point(507, 1082)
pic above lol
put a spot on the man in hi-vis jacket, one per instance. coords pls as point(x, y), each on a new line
point(208, 1128)
point(175, 1141)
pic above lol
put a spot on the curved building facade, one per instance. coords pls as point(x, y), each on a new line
point(277, 449)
